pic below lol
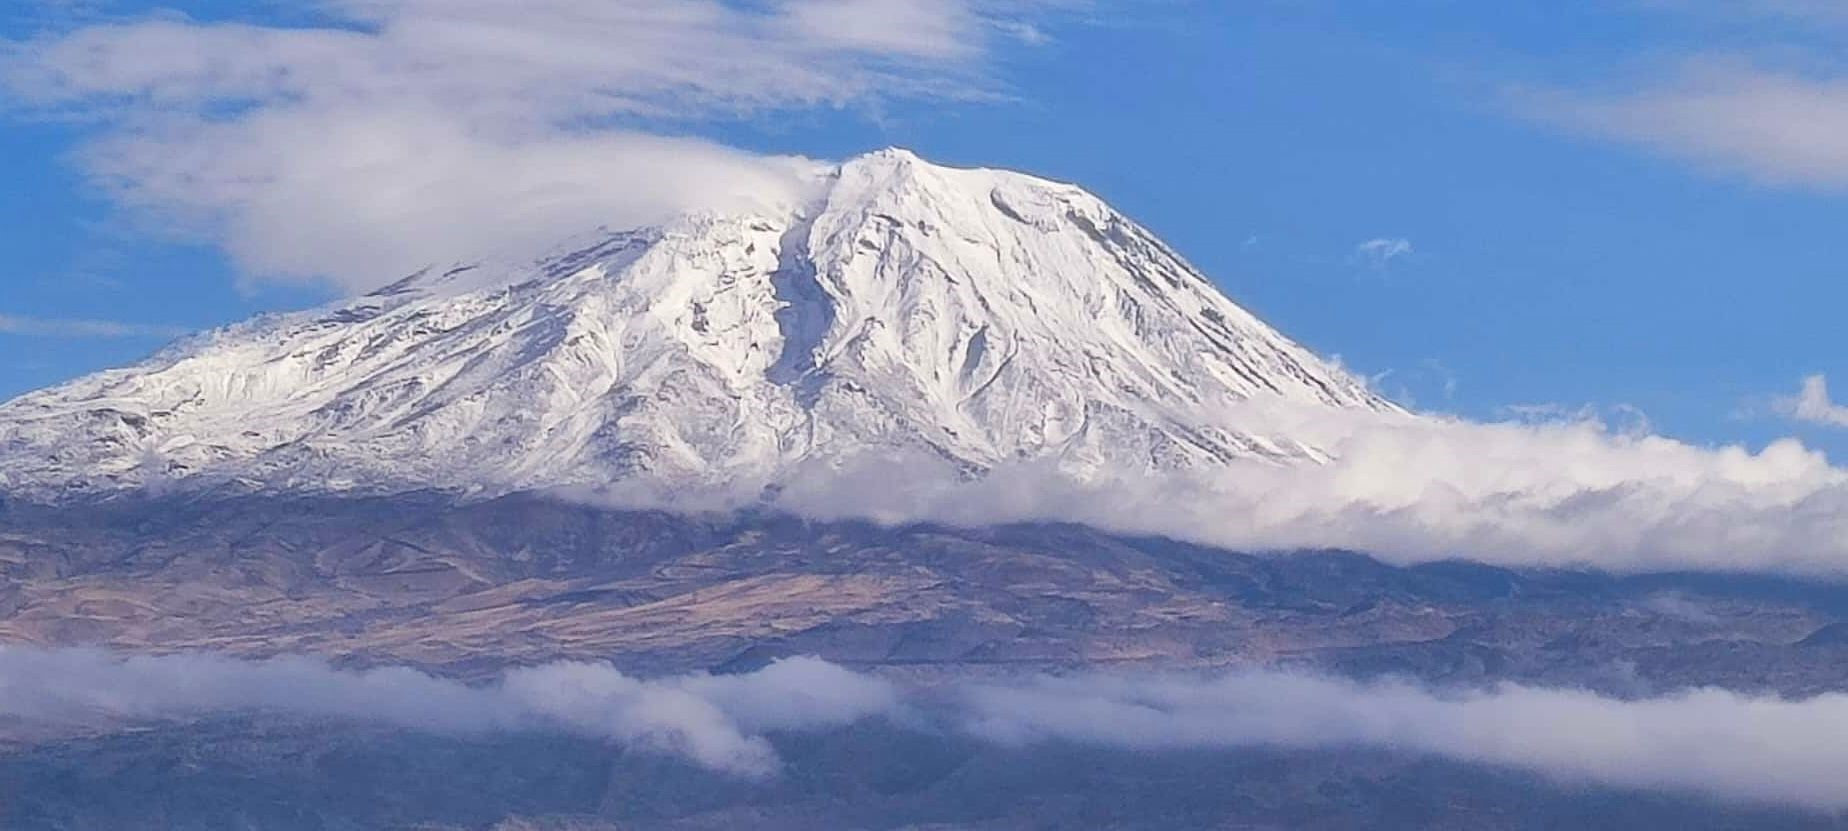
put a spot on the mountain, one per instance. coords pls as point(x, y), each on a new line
point(286, 487)
point(977, 316)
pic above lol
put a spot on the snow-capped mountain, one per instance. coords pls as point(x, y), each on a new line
point(976, 315)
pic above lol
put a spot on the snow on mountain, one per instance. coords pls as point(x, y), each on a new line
point(976, 315)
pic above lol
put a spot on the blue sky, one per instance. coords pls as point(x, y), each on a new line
point(1580, 225)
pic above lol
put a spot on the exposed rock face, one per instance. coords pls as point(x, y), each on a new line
point(972, 315)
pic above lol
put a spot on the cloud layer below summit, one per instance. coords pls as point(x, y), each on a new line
point(1568, 492)
point(1708, 741)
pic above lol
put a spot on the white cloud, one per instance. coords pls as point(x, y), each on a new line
point(1714, 741)
point(1381, 251)
point(901, 27)
point(1407, 489)
point(716, 722)
point(367, 197)
point(1775, 127)
point(69, 328)
point(1710, 741)
point(1751, 88)
point(1813, 405)
point(408, 132)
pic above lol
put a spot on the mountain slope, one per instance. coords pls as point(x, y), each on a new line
point(973, 315)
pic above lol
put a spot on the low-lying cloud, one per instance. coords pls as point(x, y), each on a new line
point(713, 721)
point(1407, 489)
point(1709, 741)
point(1714, 741)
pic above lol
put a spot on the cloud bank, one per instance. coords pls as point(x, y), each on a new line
point(1564, 492)
point(1712, 741)
point(396, 134)
point(1709, 741)
point(716, 722)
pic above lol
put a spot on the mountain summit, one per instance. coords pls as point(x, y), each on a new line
point(978, 316)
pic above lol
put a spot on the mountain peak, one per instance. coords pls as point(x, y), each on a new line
point(976, 316)
point(893, 155)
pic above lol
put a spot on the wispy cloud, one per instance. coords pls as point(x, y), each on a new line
point(1381, 251)
point(1707, 741)
point(68, 328)
point(1813, 405)
point(1751, 88)
point(407, 132)
point(1403, 385)
point(1774, 127)
point(1446, 377)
